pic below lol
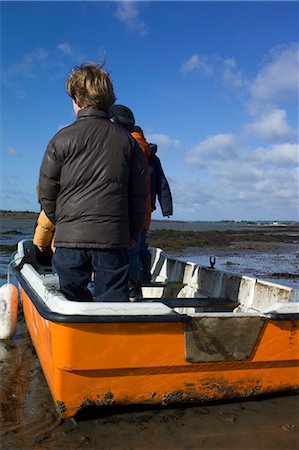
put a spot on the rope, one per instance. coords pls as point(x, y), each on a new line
point(16, 267)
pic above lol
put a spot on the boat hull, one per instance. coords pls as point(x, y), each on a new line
point(132, 362)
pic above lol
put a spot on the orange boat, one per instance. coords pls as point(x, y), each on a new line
point(197, 334)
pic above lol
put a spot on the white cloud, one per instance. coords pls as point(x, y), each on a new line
point(270, 190)
point(240, 182)
point(127, 12)
point(271, 125)
point(162, 140)
point(238, 190)
point(65, 48)
point(219, 146)
point(27, 66)
point(236, 171)
point(191, 198)
point(197, 63)
point(12, 151)
point(224, 69)
point(14, 194)
point(231, 75)
point(39, 62)
point(278, 78)
point(279, 154)
point(244, 179)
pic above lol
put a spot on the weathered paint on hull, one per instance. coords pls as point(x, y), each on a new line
point(129, 363)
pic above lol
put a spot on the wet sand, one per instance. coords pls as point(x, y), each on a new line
point(29, 420)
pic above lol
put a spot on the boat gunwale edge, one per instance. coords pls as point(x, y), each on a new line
point(47, 314)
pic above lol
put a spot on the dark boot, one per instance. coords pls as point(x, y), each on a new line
point(146, 267)
point(135, 292)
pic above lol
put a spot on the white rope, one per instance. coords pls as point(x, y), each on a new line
point(15, 260)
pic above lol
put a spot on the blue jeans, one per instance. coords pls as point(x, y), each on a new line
point(140, 260)
point(74, 267)
point(135, 256)
point(134, 263)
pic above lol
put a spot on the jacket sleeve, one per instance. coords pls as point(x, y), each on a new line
point(49, 180)
point(163, 191)
point(44, 231)
point(137, 192)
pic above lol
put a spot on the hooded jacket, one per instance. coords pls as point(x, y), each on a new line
point(159, 184)
point(146, 150)
point(92, 184)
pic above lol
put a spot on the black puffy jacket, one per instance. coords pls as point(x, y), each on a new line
point(92, 184)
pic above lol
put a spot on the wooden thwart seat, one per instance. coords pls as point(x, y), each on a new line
point(157, 284)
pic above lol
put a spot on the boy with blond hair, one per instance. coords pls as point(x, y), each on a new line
point(92, 186)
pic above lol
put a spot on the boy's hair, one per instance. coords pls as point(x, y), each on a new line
point(91, 86)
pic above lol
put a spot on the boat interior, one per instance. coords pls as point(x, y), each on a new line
point(177, 286)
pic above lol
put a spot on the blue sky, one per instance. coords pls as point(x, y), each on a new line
point(214, 84)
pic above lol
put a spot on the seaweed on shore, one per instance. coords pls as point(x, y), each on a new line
point(180, 241)
point(284, 275)
point(11, 233)
point(8, 248)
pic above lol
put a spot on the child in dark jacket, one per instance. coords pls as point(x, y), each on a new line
point(159, 184)
point(124, 116)
point(158, 187)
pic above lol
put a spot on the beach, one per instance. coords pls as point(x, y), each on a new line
point(28, 417)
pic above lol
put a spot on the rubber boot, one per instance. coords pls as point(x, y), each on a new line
point(135, 292)
point(146, 267)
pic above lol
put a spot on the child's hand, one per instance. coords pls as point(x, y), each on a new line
point(43, 249)
point(132, 243)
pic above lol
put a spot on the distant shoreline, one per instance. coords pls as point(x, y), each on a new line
point(7, 214)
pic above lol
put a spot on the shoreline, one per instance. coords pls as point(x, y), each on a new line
point(10, 214)
point(6, 214)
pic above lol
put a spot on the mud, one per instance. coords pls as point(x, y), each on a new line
point(253, 239)
point(29, 420)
